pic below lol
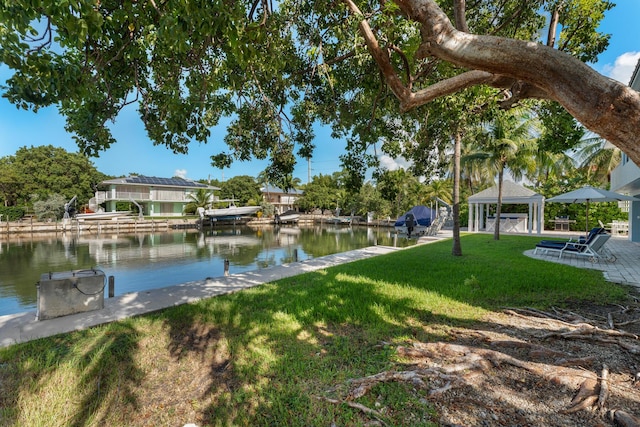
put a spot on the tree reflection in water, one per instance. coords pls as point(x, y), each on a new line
point(140, 262)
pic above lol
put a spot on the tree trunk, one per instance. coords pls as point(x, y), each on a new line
point(456, 250)
point(496, 232)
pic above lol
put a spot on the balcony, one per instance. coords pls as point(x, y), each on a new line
point(104, 196)
point(153, 196)
point(626, 178)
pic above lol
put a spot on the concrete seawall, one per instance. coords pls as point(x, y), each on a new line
point(30, 226)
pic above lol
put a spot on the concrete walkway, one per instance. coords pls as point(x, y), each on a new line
point(22, 327)
point(625, 270)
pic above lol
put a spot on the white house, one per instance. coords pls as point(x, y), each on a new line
point(280, 199)
point(157, 196)
point(626, 177)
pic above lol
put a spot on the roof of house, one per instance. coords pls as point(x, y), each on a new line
point(512, 193)
point(158, 182)
point(271, 189)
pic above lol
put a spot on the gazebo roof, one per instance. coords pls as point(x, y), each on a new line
point(512, 193)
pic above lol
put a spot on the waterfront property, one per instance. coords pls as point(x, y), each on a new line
point(626, 177)
point(282, 200)
point(157, 196)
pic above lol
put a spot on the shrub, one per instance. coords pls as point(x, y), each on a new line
point(11, 213)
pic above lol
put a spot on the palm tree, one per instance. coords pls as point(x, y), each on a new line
point(288, 182)
point(598, 158)
point(550, 164)
point(472, 173)
point(507, 144)
point(437, 189)
point(202, 198)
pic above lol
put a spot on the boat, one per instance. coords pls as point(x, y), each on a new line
point(416, 221)
point(289, 216)
point(102, 215)
point(230, 212)
point(339, 220)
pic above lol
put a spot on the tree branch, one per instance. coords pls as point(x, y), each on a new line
point(405, 61)
point(553, 26)
point(46, 39)
point(379, 55)
point(459, 12)
point(607, 107)
point(447, 87)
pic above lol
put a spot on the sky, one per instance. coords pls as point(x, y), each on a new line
point(135, 153)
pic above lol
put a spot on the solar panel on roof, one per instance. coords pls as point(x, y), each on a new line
point(152, 180)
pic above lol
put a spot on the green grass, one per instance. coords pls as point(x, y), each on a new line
point(264, 356)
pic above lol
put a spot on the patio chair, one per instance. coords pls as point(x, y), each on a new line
point(581, 239)
point(590, 249)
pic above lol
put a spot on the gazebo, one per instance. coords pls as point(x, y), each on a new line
point(512, 193)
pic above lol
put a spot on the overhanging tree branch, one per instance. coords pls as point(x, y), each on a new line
point(379, 55)
point(603, 105)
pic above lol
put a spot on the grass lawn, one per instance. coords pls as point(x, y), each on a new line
point(271, 355)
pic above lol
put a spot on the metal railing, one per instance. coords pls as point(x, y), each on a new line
point(164, 196)
point(103, 196)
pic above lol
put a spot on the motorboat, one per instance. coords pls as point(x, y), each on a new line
point(102, 215)
point(339, 220)
point(289, 216)
point(416, 221)
point(229, 212)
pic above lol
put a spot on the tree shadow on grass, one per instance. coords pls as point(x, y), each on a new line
point(91, 372)
point(303, 337)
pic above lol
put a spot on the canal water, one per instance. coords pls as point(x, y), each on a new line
point(141, 262)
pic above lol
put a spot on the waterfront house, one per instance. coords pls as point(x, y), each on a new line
point(626, 177)
point(157, 196)
point(282, 200)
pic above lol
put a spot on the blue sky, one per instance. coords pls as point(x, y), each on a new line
point(134, 153)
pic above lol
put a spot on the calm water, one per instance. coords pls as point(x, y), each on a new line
point(147, 261)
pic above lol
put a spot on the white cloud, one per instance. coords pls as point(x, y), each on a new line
point(182, 173)
point(389, 163)
point(623, 67)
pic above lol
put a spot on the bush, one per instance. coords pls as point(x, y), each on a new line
point(11, 213)
point(50, 209)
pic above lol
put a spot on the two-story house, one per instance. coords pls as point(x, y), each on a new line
point(626, 177)
point(156, 196)
point(280, 199)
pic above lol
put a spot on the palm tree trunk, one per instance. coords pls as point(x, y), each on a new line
point(456, 250)
point(496, 232)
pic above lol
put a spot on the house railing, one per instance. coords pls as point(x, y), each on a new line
point(164, 196)
point(103, 196)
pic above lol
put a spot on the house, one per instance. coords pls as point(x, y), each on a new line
point(626, 177)
point(157, 196)
point(280, 199)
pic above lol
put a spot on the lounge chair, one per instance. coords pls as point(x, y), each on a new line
point(582, 239)
point(589, 248)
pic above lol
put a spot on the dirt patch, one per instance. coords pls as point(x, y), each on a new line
point(524, 367)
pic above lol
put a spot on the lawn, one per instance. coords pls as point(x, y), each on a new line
point(281, 354)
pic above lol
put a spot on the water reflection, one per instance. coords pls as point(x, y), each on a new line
point(147, 261)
